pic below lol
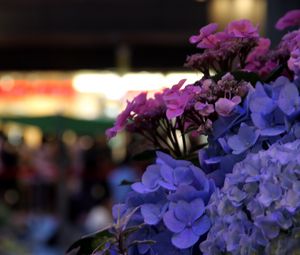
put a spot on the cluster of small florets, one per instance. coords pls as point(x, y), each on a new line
point(206, 100)
point(252, 154)
point(191, 108)
point(269, 113)
point(171, 200)
point(223, 51)
point(264, 60)
point(258, 205)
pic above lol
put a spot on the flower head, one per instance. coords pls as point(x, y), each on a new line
point(187, 221)
point(176, 100)
point(294, 61)
point(259, 199)
point(242, 28)
point(204, 32)
point(175, 192)
point(291, 18)
point(225, 106)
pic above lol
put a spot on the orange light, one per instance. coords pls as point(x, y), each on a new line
point(19, 88)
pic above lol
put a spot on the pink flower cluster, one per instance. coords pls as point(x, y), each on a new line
point(294, 62)
point(207, 38)
point(291, 18)
point(223, 51)
point(290, 46)
point(193, 108)
point(187, 109)
point(261, 59)
point(139, 110)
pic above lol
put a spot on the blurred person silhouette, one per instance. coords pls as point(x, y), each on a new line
point(96, 164)
point(26, 174)
point(120, 178)
point(9, 191)
point(129, 170)
point(45, 160)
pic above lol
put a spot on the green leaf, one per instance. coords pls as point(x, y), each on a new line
point(133, 229)
point(87, 244)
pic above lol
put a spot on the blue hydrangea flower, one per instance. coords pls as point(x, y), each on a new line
point(167, 173)
point(171, 198)
point(243, 140)
point(269, 115)
point(187, 221)
point(289, 100)
point(258, 205)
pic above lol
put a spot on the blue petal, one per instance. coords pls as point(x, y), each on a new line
point(167, 185)
point(200, 182)
point(222, 141)
point(288, 100)
point(296, 130)
point(198, 209)
point(284, 220)
point(167, 173)
point(201, 226)
point(269, 192)
point(172, 223)
point(151, 175)
point(245, 138)
point(260, 102)
point(185, 192)
point(182, 175)
point(259, 121)
point(163, 158)
point(268, 226)
point(183, 212)
point(273, 131)
point(141, 188)
point(151, 213)
point(185, 239)
point(213, 160)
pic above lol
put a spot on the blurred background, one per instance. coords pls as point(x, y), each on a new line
point(67, 68)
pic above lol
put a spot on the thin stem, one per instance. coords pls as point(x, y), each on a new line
point(173, 132)
point(167, 130)
point(181, 128)
point(171, 136)
point(122, 249)
point(166, 143)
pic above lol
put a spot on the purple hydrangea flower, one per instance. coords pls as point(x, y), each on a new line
point(291, 18)
point(258, 204)
point(187, 221)
point(167, 173)
point(244, 139)
point(171, 198)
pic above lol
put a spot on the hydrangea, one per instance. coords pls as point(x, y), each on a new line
point(294, 62)
point(259, 204)
point(268, 114)
point(223, 51)
point(248, 106)
point(168, 206)
point(291, 18)
point(173, 194)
